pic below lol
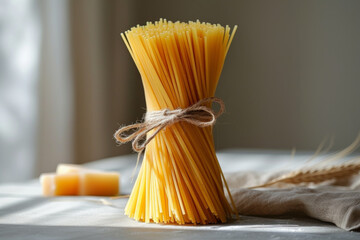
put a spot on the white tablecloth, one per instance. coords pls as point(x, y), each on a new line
point(25, 214)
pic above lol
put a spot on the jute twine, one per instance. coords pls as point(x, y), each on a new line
point(197, 114)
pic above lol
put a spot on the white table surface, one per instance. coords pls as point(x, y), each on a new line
point(25, 214)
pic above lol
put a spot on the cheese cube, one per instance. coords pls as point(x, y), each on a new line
point(99, 183)
point(70, 168)
point(59, 184)
point(76, 180)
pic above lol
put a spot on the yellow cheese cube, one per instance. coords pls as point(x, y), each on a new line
point(72, 179)
point(99, 183)
point(69, 168)
point(47, 183)
point(60, 184)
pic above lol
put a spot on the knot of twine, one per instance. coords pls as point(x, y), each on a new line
point(197, 114)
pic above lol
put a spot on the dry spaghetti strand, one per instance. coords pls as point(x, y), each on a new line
point(180, 179)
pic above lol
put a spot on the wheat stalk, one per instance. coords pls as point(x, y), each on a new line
point(317, 175)
point(322, 171)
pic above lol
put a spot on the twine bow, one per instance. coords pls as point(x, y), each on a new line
point(197, 114)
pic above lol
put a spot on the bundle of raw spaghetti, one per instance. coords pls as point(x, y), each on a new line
point(180, 179)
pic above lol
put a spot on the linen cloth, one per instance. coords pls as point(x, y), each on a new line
point(339, 204)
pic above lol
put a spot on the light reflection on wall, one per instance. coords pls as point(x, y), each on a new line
point(19, 59)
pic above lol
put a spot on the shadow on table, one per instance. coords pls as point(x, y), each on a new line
point(22, 205)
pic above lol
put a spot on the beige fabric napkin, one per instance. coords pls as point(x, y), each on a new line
point(326, 202)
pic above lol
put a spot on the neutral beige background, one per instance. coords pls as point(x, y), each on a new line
point(292, 76)
point(293, 73)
